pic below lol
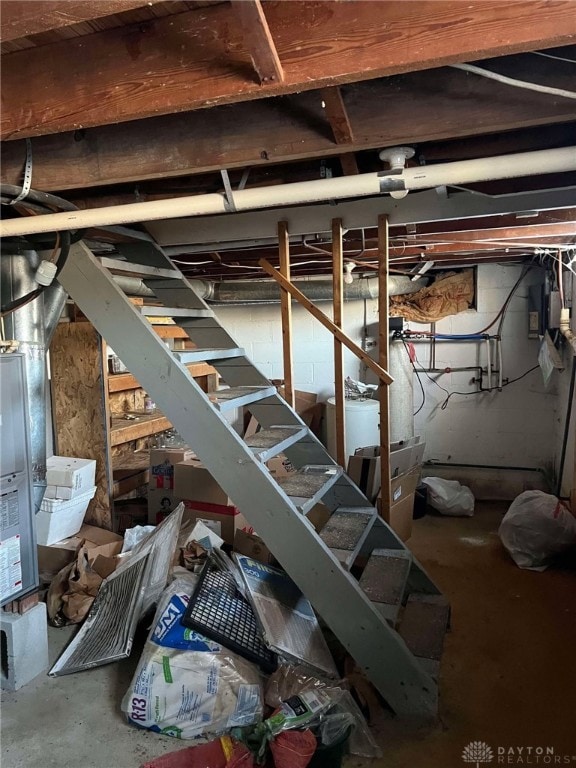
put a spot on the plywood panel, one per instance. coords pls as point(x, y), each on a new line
point(79, 407)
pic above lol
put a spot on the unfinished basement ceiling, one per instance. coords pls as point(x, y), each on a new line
point(126, 101)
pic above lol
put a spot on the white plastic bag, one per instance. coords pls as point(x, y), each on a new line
point(449, 497)
point(536, 528)
point(133, 536)
point(186, 685)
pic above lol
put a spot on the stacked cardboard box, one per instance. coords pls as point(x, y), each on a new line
point(405, 468)
point(67, 478)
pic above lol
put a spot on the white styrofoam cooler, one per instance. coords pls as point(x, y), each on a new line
point(58, 519)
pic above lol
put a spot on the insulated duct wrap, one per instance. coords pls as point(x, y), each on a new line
point(401, 392)
point(268, 291)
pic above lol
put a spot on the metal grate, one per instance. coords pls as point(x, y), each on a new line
point(108, 631)
point(218, 611)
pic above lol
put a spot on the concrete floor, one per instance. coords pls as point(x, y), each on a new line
point(508, 675)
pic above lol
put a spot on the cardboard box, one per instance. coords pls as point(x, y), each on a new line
point(58, 519)
point(280, 466)
point(60, 492)
point(364, 470)
point(406, 454)
point(162, 463)
point(53, 558)
point(223, 519)
point(402, 490)
point(400, 517)
point(77, 474)
point(319, 516)
point(160, 503)
point(129, 513)
point(251, 545)
point(193, 481)
point(364, 466)
point(161, 496)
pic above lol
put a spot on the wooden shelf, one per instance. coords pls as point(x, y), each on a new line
point(124, 430)
point(129, 472)
point(89, 405)
point(119, 382)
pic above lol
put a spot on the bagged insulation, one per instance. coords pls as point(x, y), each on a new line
point(186, 685)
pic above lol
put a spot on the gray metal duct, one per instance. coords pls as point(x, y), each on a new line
point(32, 326)
point(268, 291)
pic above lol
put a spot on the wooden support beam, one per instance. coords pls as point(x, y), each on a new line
point(383, 354)
point(201, 59)
point(337, 303)
point(270, 131)
point(21, 18)
point(339, 120)
point(382, 374)
point(349, 164)
point(563, 229)
point(286, 312)
point(337, 115)
point(259, 40)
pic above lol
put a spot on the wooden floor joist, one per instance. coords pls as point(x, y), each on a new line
point(198, 59)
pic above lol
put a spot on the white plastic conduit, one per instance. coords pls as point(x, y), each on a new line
point(363, 185)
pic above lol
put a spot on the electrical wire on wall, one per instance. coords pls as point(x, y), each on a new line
point(411, 352)
point(476, 335)
point(450, 394)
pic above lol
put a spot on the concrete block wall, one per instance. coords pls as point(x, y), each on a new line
point(258, 330)
point(516, 427)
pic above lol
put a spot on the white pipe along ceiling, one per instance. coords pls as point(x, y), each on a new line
point(393, 181)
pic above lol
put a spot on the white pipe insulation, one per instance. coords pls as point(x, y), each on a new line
point(363, 185)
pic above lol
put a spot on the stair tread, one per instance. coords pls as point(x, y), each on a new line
point(153, 311)
point(384, 578)
point(345, 527)
point(308, 481)
point(234, 392)
point(235, 397)
point(268, 438)
point(208, 354)
point(424, 624)
point(118, 266)
point(346, 531)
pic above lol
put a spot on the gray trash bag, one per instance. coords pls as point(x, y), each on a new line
point(536, 528)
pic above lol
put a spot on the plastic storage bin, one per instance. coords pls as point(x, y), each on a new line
point(58, 518)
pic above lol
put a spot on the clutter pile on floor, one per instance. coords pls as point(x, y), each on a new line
point(235, 659)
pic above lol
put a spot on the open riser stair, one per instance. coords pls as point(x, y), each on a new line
point(393, 619)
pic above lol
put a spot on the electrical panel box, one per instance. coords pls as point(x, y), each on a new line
point(18, 557)
point(536, 311)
